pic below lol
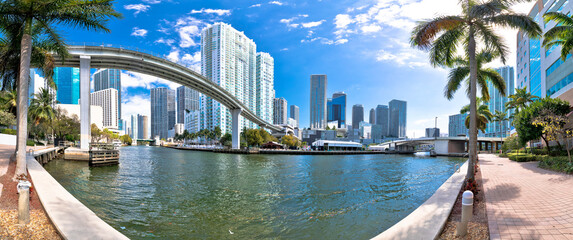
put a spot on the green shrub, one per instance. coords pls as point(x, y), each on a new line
point(8, 131)
point(559, 164)
point(522, 157)
point(30, 142)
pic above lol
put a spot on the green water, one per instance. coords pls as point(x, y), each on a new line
point(161, 193)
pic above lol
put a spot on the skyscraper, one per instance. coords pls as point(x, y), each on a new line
point(67, 81)
point(497, 103)
point(540, 69)
point(162, 111)
point(382, 119)
point(142, 127)
point(337, 109)
point(397, 118)
point(134, 128)
point(318, 109)
point(109, 78)
point(372, 119)
point(187, 100)
point(107, 99)
point(457, 125)
point(229, 59)
point(294, 114)
point(280, 111)
point(357, 115)
point(265, 78)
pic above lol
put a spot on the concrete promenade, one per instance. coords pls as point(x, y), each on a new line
point(526, 202)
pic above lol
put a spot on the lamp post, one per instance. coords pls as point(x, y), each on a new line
point(436, 128)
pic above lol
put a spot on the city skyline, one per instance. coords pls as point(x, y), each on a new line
point(347, 50)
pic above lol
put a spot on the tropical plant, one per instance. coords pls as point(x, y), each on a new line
point(461, 70)
point(554, 128)
point(483, 115)
point(500, 117)
point(8, 100)
point(41, 106)
point(24, 16)
point(520, 99)
point(96, 133)
point(126, 139)
point(444, 34)
point(561, 34)
point(7, 119)
point(290, 141)
point(226, 140)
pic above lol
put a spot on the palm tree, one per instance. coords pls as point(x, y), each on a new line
point(23, 15)
point(8, 100)
point(561, 34)
point(520, 99)
point(484, 116)
point(444, 34)
point(461, 70)
point(41, 106)
point(500, 117)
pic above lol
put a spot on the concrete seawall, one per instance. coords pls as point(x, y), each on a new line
point(427, 221)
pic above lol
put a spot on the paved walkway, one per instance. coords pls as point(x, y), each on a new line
point(526, 202)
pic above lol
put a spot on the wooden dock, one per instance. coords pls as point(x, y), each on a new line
point(103, 154)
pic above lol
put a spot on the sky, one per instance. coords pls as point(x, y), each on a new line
point(362, 45)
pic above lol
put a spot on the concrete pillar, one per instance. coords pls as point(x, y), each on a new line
point(85, 128)
point(236, 128)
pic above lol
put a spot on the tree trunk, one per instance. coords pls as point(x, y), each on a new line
point(473, 110)
point(23, 84)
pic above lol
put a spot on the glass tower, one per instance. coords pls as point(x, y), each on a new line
point(497, 103)
point(382, 119)
point(318, 108)
point(357, 115)
point(67, 80)
point(162, 111)
point(337, 109)
point(397, 118)
point(187, 100)
point(294, 114)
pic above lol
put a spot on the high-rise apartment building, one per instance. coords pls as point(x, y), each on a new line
point(107, 99)
point(497, 103)
point(382, 119)
point(193, 121)
point(457, 125)
point(134, 128)
point(318, 108)
point(229, 59)
point(187, 100)
point(372, 116)
point(142, 127)
point(357, 115)
point(162, 111)
point(109, 78)
point(539, 69)
point(280, 111)
point(294, 114)
point(67, 81)
point(265, 86)
point(397, 118)
point(336, 109)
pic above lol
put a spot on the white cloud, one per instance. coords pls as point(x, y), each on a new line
point(135, 104)
point(167, 42)
point(137, 7)
point(276, 3)
point(152, 1)
point(186, 34)
point(342, 20)
point(312, 24)
point(341, 41)
point(173, 56)
point(219, 12)
point(138, 32)
point(255, 5)
point(192, 61)
point(288, 22)
point(284, 49)
point(134, 80)
point(370, 28)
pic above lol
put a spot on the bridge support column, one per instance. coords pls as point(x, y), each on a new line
point(236, 129)
point(85, 127)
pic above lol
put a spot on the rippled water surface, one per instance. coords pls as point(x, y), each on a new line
point(161, 193)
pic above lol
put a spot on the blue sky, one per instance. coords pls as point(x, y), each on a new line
point(362, 45)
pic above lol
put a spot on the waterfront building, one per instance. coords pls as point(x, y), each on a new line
point(432, 132)
point(187, 100)
point(357, 115)
point(162, 111)
point(280, 111)
point(377, 131)
point(142, 127)
point(294, 114)
point(457, 125)
point(372, 119)
point(229, 59)
point(397, 118)
point(265, 87)
point(134, 127)
point(336, 109)
point(67, 81)
point(497, 103)
point(109, 78)
point(318, 108)
point(193, 121)
point(541, 69)
point(107, 99)
point(382, 119)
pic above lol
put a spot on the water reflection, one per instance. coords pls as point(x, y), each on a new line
point(159, 193)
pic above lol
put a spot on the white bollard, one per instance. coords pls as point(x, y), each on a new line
point(467, 213)
point(24, 202)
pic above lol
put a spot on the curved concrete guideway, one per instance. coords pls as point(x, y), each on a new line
point(87, 57)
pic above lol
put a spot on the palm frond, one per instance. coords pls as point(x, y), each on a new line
point(455, 77)
point(425, 31)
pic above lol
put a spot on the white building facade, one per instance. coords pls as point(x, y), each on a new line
point(108, 100)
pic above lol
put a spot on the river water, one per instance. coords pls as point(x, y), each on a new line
point(162, 193)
